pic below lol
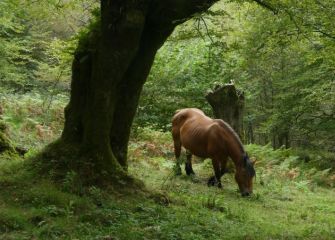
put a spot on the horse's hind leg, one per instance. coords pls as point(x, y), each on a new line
point(188, 164)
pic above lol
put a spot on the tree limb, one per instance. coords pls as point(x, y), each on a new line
point(267, 5)
point(325, 33)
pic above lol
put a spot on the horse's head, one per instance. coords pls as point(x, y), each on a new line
point(244, 176)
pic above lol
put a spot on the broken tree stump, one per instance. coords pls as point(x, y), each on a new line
point(227, 103)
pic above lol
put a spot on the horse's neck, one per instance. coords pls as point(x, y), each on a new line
point(237, 157)
point(234, 145)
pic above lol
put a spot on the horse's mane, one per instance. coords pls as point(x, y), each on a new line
point(227, 127)
point(248, 165)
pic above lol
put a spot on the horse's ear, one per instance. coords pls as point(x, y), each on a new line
point(249, 163)
point(253, 161)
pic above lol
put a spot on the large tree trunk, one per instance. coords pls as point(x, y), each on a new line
point(228, 104)
point(108, 72)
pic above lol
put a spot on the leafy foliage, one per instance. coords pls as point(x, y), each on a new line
point(284, 63)
point(36, 41)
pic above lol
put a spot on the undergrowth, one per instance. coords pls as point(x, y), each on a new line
point(33, 119)
point(172, 208)
point(293, 197)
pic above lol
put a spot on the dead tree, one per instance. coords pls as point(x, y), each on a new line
point(228, 104)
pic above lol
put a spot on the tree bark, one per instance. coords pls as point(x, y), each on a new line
point(228, 104)
point(250, 132)
point(109, 69)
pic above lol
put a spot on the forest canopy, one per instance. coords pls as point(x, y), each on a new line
point(280, 54)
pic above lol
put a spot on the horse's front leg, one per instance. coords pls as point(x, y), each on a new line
point(217, 170)
point(188, 164)
point(223, 164)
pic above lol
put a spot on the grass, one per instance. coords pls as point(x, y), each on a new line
point(173, 208)
point(290, 201)
point(33, 119)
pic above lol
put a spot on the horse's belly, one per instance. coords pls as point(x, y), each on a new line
point(199, 154)
point(199, 150)
point(194, 138)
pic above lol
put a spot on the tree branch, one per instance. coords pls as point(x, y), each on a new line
point(325, 34)
point(267, 5)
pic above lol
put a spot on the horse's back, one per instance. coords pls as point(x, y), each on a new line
point(203, 140)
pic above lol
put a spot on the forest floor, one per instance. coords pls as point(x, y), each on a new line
point(290, 201)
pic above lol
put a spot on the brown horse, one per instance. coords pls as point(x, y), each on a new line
point(211, 138)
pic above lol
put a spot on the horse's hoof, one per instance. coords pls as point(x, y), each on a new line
point(188, 169)
point(211, 181)
point(189, 173)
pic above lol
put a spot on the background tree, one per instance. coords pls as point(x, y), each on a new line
point(37, 39)
point(228, 103)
